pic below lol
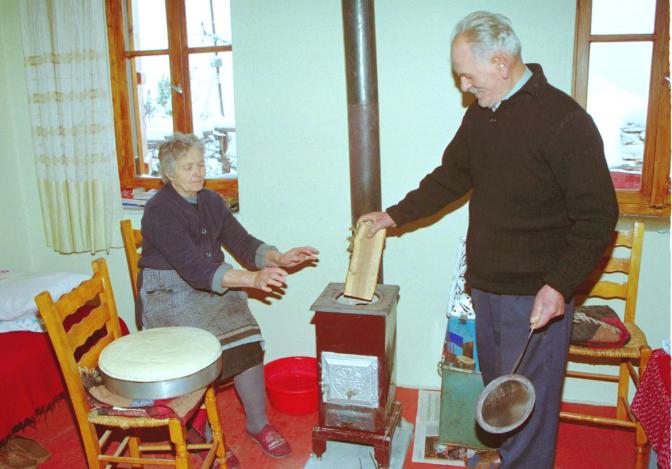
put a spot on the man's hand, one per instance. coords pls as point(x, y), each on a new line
point(379, 220)
point(548, 304)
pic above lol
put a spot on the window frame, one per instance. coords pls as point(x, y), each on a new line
point(653, 197)
point(178, 53)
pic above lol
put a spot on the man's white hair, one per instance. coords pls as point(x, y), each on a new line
point(487, 33)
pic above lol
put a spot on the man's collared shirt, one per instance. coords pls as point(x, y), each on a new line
point(527, 74)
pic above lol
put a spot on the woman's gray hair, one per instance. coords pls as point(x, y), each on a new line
point(175, 148)
point(487, 33)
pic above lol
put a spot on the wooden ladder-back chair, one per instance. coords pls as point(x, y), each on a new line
point(623, 256)
point(93, 333)
point(132, 244)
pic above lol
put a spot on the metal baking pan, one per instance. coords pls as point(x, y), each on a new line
point(166, 388)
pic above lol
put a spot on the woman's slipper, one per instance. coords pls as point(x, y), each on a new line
point(272, 442)
point(231, 461)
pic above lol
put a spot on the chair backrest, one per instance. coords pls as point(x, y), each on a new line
point(78, 346)
point(132, 243)
point(623, 256)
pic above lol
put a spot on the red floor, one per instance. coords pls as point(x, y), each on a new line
point(579, 446)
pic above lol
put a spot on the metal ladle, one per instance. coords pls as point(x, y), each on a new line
point(506, 402)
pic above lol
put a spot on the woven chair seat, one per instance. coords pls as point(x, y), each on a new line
point(629, 350)
point(125, 422)
point(181, 407)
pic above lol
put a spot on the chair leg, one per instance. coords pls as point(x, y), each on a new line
point(216, 426)
point(177, 437)
point(134, 448)
point(642, 448)
point(644, 356)
point(91, 445)
point(622, 396)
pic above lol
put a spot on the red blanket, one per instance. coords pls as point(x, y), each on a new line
point(651, 405)
point(30, 378)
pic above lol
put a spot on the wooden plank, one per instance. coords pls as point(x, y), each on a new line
point(362, 276)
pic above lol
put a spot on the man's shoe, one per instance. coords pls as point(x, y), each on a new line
point(272, 442)
point(484, 460)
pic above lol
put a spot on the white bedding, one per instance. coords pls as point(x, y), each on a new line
point(18, 311)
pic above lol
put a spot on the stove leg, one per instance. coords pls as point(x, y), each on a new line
point(382, 455)
point(319, 444)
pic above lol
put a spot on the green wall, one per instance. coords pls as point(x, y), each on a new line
point(293, 149)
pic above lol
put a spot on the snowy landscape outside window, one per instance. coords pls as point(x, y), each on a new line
point(172, 68)
point(620, 70)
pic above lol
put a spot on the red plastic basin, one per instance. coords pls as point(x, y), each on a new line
point(291, 384)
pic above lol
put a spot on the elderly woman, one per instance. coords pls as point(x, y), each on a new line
point(185, 280)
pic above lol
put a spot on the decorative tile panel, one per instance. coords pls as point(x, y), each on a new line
point(350, 379)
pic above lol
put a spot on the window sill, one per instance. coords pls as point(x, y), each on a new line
point(227, 188)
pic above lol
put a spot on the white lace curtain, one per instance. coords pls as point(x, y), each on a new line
point(70, 106)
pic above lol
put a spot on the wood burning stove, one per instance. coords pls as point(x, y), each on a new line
point(356, 342)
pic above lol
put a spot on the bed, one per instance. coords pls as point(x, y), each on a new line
point(30, 378)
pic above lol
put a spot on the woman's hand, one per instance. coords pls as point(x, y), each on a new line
point(265, 279)
point(291, 258)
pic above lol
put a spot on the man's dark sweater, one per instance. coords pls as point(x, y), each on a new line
point(542, 207)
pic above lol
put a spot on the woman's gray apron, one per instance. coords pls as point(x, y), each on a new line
point(167, 300)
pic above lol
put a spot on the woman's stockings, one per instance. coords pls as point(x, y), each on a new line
point(251, 391)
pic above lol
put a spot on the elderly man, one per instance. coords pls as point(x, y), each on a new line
point(541, 213)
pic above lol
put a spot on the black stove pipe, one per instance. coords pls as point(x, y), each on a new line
point(359, 35)
point(362, 83)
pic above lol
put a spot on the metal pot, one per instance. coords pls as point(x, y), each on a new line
point(155, 354)
point(164, 389)
point(505, 403)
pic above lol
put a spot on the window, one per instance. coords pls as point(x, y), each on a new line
point(621, 77)
point(171, 68)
